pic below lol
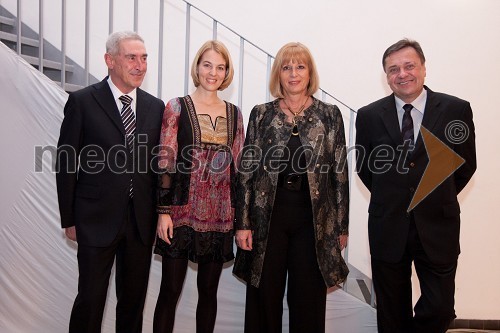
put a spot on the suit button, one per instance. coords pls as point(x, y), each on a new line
point(407, 215)
point(262, 193)
point(317, 192)
point(265, 167)
point(310, 119)
point(412, 189)
point(412, 164)
point(269, 141)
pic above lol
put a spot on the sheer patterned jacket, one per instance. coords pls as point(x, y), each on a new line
point(321, 131)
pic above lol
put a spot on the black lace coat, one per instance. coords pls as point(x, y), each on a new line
point(321, 132)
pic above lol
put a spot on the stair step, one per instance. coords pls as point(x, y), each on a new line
point(24, 40)
point(47, 63)
point(34, 60)
point(7, 21)
point(70, 87)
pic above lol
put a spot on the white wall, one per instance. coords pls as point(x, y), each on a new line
point(347, 38)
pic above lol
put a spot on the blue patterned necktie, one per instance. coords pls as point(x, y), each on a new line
point(128, 119)
point(407, 126)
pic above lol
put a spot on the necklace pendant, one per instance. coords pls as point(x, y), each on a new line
point(295, 128)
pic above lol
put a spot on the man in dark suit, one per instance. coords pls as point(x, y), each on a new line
point(396, 141)
point(106, 185)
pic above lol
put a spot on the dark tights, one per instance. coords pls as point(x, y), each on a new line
point(173, 275)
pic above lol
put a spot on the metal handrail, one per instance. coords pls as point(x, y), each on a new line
point(63, 45)
point(186, 53)
point(87, 41)
point(110, 19)
point(216, 23)
point(240, 83)
point(19, 25)
point(40, 36)
point(136, 15)
point(243, 42)
point(160, 49)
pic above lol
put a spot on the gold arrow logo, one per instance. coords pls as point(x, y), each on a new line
point(443, 162)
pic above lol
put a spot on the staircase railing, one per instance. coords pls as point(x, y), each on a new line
point(349, 113)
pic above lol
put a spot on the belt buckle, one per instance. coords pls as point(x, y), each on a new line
point(293, 182)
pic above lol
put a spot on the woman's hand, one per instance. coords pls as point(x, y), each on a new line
point(244, 239)
point(343, 241)
point(165, 227)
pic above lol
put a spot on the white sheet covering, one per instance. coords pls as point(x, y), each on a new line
point(38, 277)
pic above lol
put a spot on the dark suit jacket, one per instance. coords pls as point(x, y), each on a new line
point(94, 167)
point(437, 217)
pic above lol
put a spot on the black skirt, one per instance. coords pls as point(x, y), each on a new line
point(198, 247)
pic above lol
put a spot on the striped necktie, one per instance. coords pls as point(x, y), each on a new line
point(128, 119)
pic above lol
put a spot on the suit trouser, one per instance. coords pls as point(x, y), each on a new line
point(290, 249)
point(133, 261)
point(434, 310)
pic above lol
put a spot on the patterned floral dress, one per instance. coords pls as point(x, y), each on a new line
point(201, 168)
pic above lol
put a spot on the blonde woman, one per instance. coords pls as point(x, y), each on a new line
point(201, 137)
point(292, 200)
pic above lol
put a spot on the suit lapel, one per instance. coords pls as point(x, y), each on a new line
point(431, 114)
point(105, 99)
point(390, 118)
point(141, 112)
point(431, 117)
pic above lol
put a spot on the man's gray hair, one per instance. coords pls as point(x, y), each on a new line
point(113, 42)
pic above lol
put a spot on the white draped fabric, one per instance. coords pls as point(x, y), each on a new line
point(38, 266)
